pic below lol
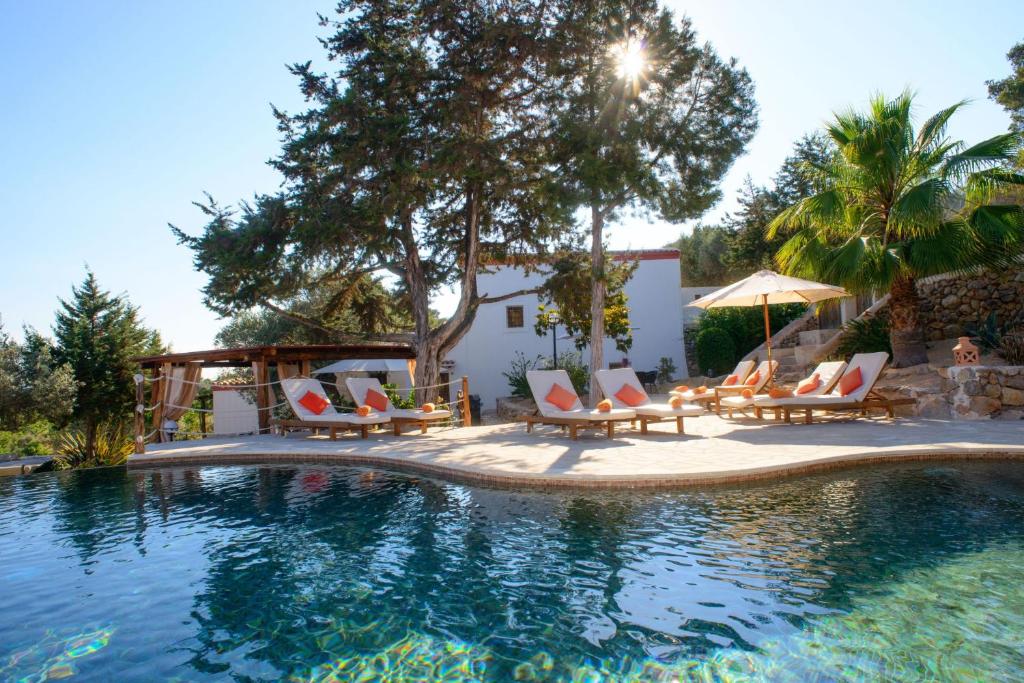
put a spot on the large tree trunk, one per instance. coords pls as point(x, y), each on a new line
point(905, 333)
point(597, 296)
point(433, 344)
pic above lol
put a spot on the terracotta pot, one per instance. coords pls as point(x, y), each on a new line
point(965, 353)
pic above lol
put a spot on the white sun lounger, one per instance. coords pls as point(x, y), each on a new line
point(741, 371)
point(612, 381)
point(359, 386)
point(296, 387)
point(863, 399)
point(765, 371)
point(828, 373)
point(542, 381)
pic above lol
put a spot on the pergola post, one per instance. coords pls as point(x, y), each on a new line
point(261, 377)
point(162, 374)
point(467, 415)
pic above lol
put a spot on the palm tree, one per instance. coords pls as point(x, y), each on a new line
point(894, 204)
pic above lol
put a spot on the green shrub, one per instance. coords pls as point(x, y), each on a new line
point(666, 370)
point(865, 335)
point(35, 438)
point(114, 443)
point(579, 373)
point(399, 401)
point(716, 353)
point(745, 325)
point(516, 375)
point(1011, 346)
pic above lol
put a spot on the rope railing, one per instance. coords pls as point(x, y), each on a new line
point(256, 385)
point(459, 406)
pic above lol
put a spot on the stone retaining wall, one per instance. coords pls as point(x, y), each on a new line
point(950, 302)
point(980, 392)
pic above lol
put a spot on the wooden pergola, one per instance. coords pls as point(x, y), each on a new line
point(287, 360)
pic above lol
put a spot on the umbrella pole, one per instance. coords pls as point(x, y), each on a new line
point(768, 338)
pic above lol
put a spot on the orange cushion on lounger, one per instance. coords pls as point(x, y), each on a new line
point(850, 382)
point(427, 407)
point(604, 406)
point(377, 400)
point(682, 389)
point(753, 379)
point(363, 411)
point(629, 395)
point(700, 390)
point(809, 384)
point(779, 392)
point(314, 403)
point(747, 393)
point(676, 402)
point(730, 380)
point(560, 398)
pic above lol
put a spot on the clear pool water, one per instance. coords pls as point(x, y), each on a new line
point(328, 573)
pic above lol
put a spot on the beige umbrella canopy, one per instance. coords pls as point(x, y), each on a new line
point(767, 287)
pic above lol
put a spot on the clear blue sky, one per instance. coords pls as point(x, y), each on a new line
point(115, 116)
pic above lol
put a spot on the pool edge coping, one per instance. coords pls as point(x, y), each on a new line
point(467, 475)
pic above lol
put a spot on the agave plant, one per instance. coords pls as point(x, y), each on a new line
point(113, 445)
point(896, 204)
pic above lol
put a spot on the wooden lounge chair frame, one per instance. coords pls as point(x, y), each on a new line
point(872, 401)
point(333, 427)
point(777, 410)
point(644, 420)
point(572, 424)
point(575, 425)
point(397, 421)
point(285, 426)
point(737, 389)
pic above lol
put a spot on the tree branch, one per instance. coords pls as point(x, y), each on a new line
point(511, 295)
point(302, 320)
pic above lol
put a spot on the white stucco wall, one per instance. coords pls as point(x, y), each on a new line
point(233, 413)
point(689, 294)
point(487, 350)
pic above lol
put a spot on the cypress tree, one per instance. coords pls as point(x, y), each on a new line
point(97, 335)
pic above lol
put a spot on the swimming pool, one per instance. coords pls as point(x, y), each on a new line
point(263, 573)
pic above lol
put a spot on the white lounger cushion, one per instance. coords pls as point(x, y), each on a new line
point(828, 372)
point(737, 401)
point(665, 410)
point(417, 414)
point(766, 371)
point(359, 386)
point(296, 387)
point(612, 381)
point(541, 382)
point(591, 415)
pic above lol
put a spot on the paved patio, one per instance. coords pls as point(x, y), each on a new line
point(713, 450)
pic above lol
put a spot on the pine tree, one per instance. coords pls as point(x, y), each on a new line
point(97, 335)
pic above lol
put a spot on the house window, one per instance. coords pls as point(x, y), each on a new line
point(513, 316)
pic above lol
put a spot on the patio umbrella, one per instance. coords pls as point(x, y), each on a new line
point(370, 365)
point(767, 287)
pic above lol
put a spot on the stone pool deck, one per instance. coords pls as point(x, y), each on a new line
point(713, 450)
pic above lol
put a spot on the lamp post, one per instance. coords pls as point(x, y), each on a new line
point(554, 320)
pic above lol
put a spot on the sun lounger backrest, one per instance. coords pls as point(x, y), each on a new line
point(742, 371)
point(295, 388)
point(541, 381)
point(358, 386)
point(871, 366)
point(829, 373)
point(766, 371)
point(612, 381)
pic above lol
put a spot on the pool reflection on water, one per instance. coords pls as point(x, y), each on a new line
point(335, 573)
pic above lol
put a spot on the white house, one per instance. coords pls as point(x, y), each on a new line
point(502, 329)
